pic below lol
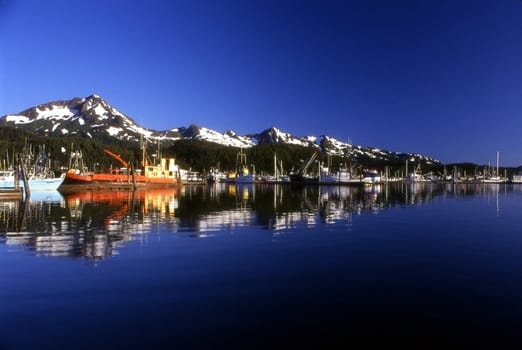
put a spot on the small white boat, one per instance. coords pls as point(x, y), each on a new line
point(371, 176)
point(7, 178)
point(342, 176)
point(494, 177)
point(37, 170)
point(36, 183)
point(517, 178)
point(242, 173)
point(44, 183)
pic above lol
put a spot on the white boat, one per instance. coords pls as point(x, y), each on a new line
point(216, 176)
point(342, 176)
point(279, 176)
point(517, 178)
point(371, 176)
point(35, 183)
point(417, 176)
point(414, 177)
point(242, 173)
point(38, 173)
point(495, 178)
point(7, 178)
point(44, 183)
point(241, 176)
point(189, 176)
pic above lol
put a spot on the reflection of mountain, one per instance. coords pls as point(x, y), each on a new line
point(95, 224)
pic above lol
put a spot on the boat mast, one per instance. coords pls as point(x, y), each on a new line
point(497, 164)
point(275, 165)
point(143, 147)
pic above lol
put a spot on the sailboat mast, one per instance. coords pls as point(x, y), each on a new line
point(497, 164)
point(275, 165)
point(143, 147)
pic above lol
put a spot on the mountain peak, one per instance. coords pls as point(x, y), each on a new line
point(93, 97)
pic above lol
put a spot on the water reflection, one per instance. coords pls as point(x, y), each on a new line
point(96, 224)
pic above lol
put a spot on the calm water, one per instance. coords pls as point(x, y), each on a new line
point(261, 266)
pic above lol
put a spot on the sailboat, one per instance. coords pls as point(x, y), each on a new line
point(495, 178)
point(278, 176)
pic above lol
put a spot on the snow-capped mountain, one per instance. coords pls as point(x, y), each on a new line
point(93, 117)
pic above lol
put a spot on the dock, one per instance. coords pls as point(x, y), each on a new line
point(11, 193)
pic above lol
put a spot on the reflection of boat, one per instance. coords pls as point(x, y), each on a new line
point(87, 223)
point(46, 196)
point(150, 200)
point(166, 173)
point(108, 196)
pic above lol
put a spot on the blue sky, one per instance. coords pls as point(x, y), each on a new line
point(439, 78)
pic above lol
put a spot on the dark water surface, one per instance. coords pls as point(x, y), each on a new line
point(262, 267)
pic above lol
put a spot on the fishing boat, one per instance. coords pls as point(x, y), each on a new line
point(339, 177)
point(166, 173)
point(241, 174)
point(371, 176)
point(37, 171)
point(37, 183)
point(301, 176)
point(216, 175)
point(34, 182)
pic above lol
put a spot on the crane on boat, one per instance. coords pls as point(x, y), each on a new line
point(117, 157)
point(301, 176)
point(303, 170)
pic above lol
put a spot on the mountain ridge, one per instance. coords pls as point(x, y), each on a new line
point(95, 118)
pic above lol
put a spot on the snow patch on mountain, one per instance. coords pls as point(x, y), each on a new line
point(18, 119)
point(114, 131)
point(55, 113)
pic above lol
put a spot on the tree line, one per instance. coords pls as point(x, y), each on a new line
point(196, 155)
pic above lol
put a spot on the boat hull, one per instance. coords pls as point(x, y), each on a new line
point(36, 184)
point(301, 179)
point(102, 180)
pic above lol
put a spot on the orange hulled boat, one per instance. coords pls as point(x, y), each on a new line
point(164, 174)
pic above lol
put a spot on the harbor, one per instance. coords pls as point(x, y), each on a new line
point(165, 172)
